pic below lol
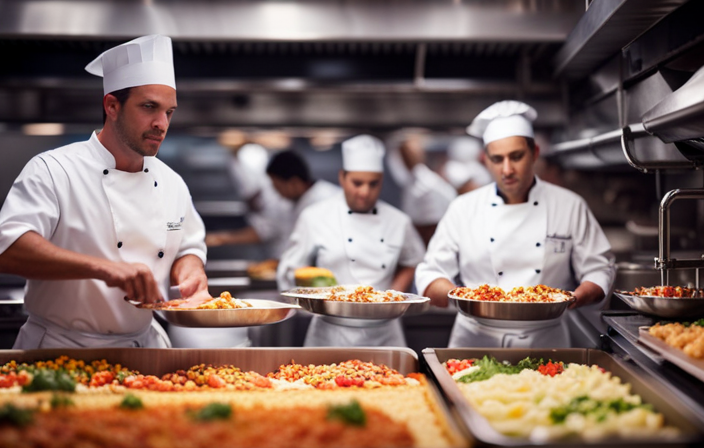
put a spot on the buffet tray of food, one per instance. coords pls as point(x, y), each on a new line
point(558, 397)
point(357, 306)
point(523, 303)
point(665, 301)
point(222, 311)
point(242, 397)
point(682, 344)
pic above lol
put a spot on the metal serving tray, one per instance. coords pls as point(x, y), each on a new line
point(669, 307)
point(693, 366)
point(262, 312)
point(261, 360)
point(510, 310)
point(355, 314)
point(650, 390)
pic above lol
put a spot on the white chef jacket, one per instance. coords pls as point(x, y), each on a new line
point(426, 198)
point(551, 239)
point(75, 198)
point(359, 248)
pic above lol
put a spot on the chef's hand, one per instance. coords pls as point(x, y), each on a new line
point(188, 273)
point(586, 294)
point(136, 279)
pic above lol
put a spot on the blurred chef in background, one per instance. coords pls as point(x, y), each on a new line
point(518, 231)
point(425, 195)
point(361, 239)
point(464, 169)
point(291, 179)
point(92, 223)
point(265, 205)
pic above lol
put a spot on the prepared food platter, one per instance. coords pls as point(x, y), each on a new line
point(357, 306)
point(665, 301)
point(559, 397)
point(236, 397)
point(681, 343)
point(222, 311)
point(522, 303)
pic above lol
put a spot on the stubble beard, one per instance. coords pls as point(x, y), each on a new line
point(127, 140)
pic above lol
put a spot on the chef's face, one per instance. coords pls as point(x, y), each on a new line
point(142, 121)
point(286, 188)
point(361, 189)
point(510, 160)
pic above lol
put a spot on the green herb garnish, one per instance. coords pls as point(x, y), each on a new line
point(490, 366)
point(598, 408)
point(131, 402)
point(46, 379)
point(214, 411)
point(352, 413)
point(12, 415)
point(60, 401)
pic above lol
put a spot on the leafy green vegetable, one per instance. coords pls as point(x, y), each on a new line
point(46, 379)
point(352, 413)
point(699, 322)
point(599, 408)
point(122, 374)
point(60, 401)
point(131, 402)
point(490, 366)
point(12, 415)
point(214, 411)
point(323, 281)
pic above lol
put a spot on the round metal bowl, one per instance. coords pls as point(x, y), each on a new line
point(669, 307)
point(357, 314)
point(510, 310)
point(262, 312)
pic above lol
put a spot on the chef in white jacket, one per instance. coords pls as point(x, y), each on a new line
point(361, 239)
point(96, 222)
point(518, 231)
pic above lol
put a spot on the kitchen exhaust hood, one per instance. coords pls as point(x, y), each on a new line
point(679, 117)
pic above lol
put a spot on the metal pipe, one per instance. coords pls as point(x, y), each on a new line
point(627, 137)
point(663, 262)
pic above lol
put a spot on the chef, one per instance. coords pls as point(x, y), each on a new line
point(425, 195)
point(361, 239)
point(291, 179)
point(517, 231)
point(94, 223)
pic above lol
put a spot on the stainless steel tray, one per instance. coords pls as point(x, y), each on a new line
point(670, 307)
point(155, 361)
point(510, 310)
point(355, 314)
point(693, 366)
point(649, 389)
point(262, 312)
point(261, 360)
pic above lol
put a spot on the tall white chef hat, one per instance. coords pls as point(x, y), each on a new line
point(363, 153)
point(139, 62)
point(503, 119)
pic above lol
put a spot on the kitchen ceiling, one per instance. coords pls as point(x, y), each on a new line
point(367, 64)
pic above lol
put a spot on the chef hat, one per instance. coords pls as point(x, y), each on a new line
point(139, 62)
point(363, 153)
point(465, 149)
point(503, 119)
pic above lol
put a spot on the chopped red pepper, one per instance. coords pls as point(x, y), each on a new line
point(551, 368)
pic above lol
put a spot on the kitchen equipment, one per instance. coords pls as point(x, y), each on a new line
point(650, 390)
point(693, 366)
point(510, 310)
point(669, 307)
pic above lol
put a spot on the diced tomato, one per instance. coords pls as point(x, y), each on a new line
point(101, 379)
point(456, 365)
point(215, 381)
point(551, 368)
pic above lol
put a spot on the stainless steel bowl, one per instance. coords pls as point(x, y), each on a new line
point(510, 310)
point(669, 307)
point(356, 314)
point(262, 312)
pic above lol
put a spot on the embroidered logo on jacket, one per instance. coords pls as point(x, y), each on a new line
point(170, 225)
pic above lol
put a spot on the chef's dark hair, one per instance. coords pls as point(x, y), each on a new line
point(286, 165)
point(121, 96)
